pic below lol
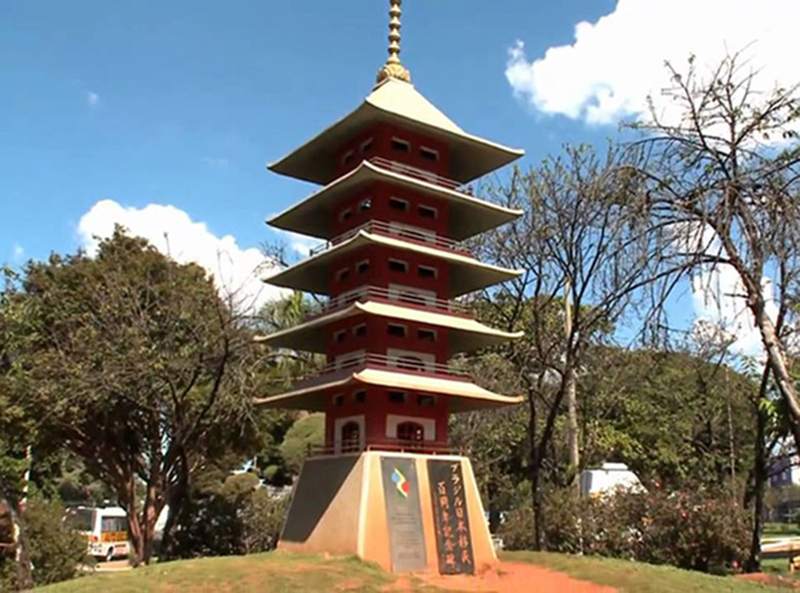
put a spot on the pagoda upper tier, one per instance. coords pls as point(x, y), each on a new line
point(394, 104)
point(468, 215)
point(457, 272)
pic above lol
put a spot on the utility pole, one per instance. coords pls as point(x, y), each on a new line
point(571, 388)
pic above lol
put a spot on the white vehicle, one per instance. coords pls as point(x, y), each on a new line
point(105, 529)
point(607, 479)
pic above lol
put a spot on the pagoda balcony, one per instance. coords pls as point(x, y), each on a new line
point(383, 295)
point(379, 227)
point(356, 364)
point(421, 174)
point(384, 444)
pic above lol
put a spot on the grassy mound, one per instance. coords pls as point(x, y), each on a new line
point(278, 572)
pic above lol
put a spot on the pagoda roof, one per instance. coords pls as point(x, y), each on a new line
point(396, 101)
point(468, 215)
point(465, 334)
point(464, 396)
point(468, 274)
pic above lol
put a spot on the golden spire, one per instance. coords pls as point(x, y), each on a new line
point(393, 68)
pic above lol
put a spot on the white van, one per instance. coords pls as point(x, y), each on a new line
point(105, 529)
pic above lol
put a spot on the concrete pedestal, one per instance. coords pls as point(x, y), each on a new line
point(405, 512)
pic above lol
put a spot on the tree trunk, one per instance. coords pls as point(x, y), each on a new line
point(753, 563)
point(776, 359)
point(22, 548)
point(572, 428)
point(572, 395)
point(535, 469)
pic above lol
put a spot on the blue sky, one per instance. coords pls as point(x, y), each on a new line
point(193, 98)
point(180, 104)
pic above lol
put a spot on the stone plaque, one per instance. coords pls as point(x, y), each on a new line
point(451, 519)
point(404, 515)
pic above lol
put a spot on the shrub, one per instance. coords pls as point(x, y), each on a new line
point(262, 519)
point(306, 432)
point(56, 550)
point(696, 529)
point(237, 517)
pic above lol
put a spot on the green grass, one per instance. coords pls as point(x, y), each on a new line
point(634, 577)
point(271, 573)
point(780, 530)
point(279, 572)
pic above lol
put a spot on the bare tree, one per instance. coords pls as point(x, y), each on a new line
point(725, 179)
point(578, 237)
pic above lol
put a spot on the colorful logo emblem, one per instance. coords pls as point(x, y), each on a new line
point(401, 483)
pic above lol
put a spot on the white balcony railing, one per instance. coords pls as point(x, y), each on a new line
point(381, 361)
point(378, 227)
point(393, 296)
point(421, 174)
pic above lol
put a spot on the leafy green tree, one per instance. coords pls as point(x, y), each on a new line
point(675, 418)
point(134, 363)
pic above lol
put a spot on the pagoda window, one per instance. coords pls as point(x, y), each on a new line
point(410, 431)
point(426, 335)
point(366, 145)
point(351, 437)
point(346, 214)
point(427, 212)
point(426, 401)
point(339, 336)
point(395, 329)
point(347, 157)
point(360, 330)
point(427, 272)
point(397, 397)
point(365, 205)
point(398, 204)
point(360, 397)
point(342, 274)
point(362, 267)
point(429, 154)
point(398, 265)
point(400, 145)
point(338, 401)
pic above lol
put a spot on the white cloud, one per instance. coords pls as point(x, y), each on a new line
point(613, 64)
point(236, 271)
point(92, 99)
point(18, 253)
point(718, 300)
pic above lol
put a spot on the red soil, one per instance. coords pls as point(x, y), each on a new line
point(514, 577)
point(771, 580)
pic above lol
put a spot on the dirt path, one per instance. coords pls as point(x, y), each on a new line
point(513, 577)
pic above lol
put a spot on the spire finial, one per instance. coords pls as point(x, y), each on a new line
point(393, 68)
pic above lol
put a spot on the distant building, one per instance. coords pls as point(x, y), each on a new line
point(786, 472)
point(610, 477)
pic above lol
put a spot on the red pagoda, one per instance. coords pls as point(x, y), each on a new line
point(394, 208)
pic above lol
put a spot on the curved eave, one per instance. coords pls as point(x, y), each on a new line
point(469, 216)
point(399, 103)
point(463, 396)
point(467, 273)
point(465, 335)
